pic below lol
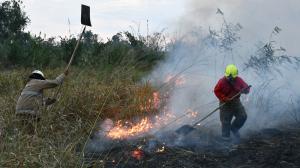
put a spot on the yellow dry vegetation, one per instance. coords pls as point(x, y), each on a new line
point(87, 97)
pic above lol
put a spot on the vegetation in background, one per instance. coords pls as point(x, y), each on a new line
point(22, 49)
point(267, 58)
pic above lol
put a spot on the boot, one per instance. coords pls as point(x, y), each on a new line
point(226, 139)
point(237, 134)
point(237, 137)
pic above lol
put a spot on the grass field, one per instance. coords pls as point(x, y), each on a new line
point(87, 97)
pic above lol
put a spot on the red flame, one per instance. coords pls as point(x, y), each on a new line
point(121, 132)
point(178, 80)
point(157, 102)
point(137, 154)
point(153, 103)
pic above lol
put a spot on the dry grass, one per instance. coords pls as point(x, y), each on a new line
point(86, 96)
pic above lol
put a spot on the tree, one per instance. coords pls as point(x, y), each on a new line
point(12, 19)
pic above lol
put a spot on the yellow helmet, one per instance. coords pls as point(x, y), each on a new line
point(231, 70)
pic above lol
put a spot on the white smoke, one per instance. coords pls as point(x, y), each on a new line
point(203, 47)
point(213, 34)
point(257, 17)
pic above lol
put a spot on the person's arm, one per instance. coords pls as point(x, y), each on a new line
point(46, 84)
point(219, 92)
point(48, 101)
point(244, 85)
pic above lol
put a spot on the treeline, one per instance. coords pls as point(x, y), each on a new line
point(22, 49)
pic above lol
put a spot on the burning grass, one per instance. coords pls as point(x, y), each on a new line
point(86, 99)
point(131, 130)
point(265, 148)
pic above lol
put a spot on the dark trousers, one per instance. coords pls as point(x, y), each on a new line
point(227, 112)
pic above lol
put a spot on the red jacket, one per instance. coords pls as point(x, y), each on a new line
point(225, 90)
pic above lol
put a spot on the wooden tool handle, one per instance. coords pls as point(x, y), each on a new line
point(70, 61)
point(74, 51)
point(216, 109)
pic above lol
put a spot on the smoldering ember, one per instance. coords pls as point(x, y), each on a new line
point(149, 84)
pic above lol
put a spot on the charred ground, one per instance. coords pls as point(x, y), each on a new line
point(266, 148)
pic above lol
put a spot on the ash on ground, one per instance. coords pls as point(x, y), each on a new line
point(200, 148)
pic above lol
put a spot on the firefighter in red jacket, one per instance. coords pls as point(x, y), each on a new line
point(227, 87)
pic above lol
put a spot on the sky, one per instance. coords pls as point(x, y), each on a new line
point(108, 17)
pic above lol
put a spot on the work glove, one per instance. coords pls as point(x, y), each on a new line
point(50, 101)
point(226, 99)
point(246, 90)
point(66, 72)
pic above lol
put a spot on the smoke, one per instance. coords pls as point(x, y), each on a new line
point(257, 17)
point(215, 33)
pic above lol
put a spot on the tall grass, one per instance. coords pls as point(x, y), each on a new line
point(87, 96)
point(102, 85)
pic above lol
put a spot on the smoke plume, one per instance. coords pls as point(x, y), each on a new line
point(256, 37)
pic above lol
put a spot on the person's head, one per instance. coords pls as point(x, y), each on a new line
point(37, 74)
point(231, 72)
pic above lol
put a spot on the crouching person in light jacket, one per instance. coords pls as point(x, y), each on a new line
point(32, 101)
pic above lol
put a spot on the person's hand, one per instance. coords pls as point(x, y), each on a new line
point(66, 72)
point(226, 99)
point(246, 90)
point(50, 101)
